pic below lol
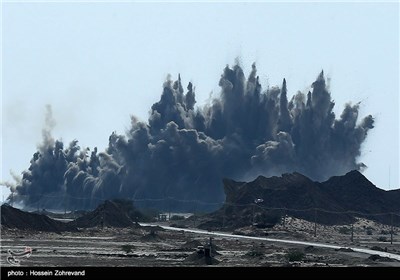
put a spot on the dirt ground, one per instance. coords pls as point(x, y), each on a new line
point(144, 247)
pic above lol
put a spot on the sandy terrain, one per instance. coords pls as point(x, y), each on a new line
point(139, 247)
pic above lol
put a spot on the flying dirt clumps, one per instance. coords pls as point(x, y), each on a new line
point(183, 151)
point(14, 218)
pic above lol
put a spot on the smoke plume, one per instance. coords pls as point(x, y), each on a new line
point(184, 151)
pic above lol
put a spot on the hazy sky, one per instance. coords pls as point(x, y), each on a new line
point(99, 63)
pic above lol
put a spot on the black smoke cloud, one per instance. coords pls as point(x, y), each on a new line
point(184, 151)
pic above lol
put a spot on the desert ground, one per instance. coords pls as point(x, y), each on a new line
point(154, 246)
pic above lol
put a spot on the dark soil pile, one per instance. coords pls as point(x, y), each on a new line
point(192, 244)
point(15, 218)
point(356, 193)
point(264, 201)
point(151, 237)
point(134, 214)
point(199, 258)
point(108, 214)
point(379, 258)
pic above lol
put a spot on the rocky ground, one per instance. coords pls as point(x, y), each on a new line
point(144, 246)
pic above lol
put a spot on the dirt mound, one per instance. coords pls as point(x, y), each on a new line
point(134, 214)
point(380, 259)
point(15, 218)
point(192, 244)
point(199, 258)
point(197, 245)
point(263, 201)
point(344, 250)
point(108, 214)
point(292, 191)
point(151, 237)
point(355, 192)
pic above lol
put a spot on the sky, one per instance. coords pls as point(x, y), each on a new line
point(98, 63)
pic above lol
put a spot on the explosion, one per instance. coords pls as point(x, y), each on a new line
point(184, 152)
